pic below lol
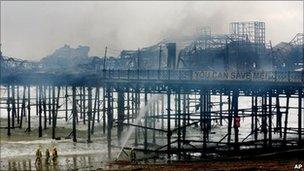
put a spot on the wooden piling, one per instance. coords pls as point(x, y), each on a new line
point(14, 112)
point(8, 112)
point(74, 112)
point(169, 133)
point(29, 108)
point(39, 112)
point(89, 113)
point(110, 119)
point(53, 113)
point(236, 116)
point(120, 113)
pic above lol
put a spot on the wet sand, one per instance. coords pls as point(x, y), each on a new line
point(18, 153)
point(91, 162)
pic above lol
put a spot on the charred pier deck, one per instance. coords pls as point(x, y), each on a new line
point(230, 113)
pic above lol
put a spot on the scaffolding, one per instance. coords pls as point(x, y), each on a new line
point(253, 30)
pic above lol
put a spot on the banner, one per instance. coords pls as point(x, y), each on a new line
point(249, 76)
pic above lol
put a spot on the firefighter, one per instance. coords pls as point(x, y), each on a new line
point(38, 156)
point(47, 156)
point(133, 156)
point(54, 154)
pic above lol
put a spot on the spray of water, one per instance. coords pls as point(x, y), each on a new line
point(142, 111)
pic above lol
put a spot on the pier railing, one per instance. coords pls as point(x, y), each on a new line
point(163, 75)
point(196, 75)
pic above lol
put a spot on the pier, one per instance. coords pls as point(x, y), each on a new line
point(176, 102)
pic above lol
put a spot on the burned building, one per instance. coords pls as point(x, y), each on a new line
point(289, 56)
point(159, 56)
point(244, 48)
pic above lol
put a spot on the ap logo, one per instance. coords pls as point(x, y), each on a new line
point(298, 166)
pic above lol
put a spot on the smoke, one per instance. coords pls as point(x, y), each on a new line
point(32, 29)
point(193, 19)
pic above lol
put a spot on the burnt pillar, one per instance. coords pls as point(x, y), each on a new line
point(270, 119)
point(50, 106)
point(66, 103)
point(14, 112)
point(110, 119)
point(44, 107)
point(40, 111)
point(8, 111)
point(29, 109)
point(53, 112)
point(22, 107)
point(146, 122)
point(84, 106)
point(236, 119)
point(18, 105)
point(179, 124)
point(74, 112)
point(286, 118)
point(89, 113)
point(169, 133)
point(229, 119)
point(120, 114)
point(104, 110)
point(94, 110)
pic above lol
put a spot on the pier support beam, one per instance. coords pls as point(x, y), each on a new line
point(104, 110)
point(98, 103)
point(184, 118)
point(235, 107)
point(66, 103)
point(94, 110)
point(40, 111)
point(137, 110)
point(270, 119)
point(8, 112)
point(22, 107)
point(120, 114)
point(203, 119)
point(44, 107)
point(84, 106)
point(53, 113)
point(110, 120)
point(286, 119)
point(14, 112)
point(255, 116)
point(89, 113)
point(279, 114)
point(49, 105)
point(74, 112)
point(221, 108)
point(146, 122)
point(18, 105)
point(179, 124)
point(229, 119)
point(169, 133)
point(264, 118)
point(28, 109)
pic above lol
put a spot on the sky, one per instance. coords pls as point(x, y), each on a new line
point(31, 29)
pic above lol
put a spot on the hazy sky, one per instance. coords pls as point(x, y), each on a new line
point(32, 30)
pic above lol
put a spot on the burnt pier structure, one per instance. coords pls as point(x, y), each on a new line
point(177, 114)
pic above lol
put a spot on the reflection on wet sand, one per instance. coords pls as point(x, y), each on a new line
point(19, 164)
point(63, 163)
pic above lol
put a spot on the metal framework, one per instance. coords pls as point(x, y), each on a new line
point(254, 31)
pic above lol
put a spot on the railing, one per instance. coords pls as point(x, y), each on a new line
point(191, 75)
